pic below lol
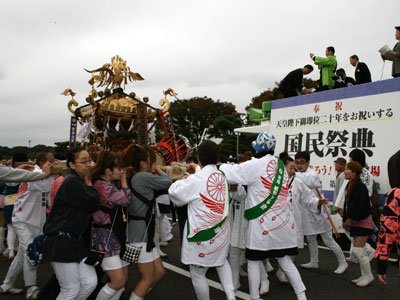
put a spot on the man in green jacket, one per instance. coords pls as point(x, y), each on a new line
point(327, 66)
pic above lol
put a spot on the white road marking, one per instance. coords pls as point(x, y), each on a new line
point(212, 283)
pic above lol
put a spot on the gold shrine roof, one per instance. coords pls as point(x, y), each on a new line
point(118, 105)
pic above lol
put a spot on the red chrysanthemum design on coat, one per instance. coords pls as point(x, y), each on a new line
point(23, 188)
point(213, 212)
point(216, 186)
point(279, 214)
point(272, 168)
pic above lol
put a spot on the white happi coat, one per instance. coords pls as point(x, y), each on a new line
point(275, 229)
point(238, 222)
point(303, 199)
point(30, 204)
point(313, 223)
point(205, 193)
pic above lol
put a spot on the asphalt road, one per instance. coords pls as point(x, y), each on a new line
point(320, 284)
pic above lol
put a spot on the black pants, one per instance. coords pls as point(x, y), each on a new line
point(182, 217)
point(173, 212)
point(50, 290)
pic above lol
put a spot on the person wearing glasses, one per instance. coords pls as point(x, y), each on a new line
point(68, 222)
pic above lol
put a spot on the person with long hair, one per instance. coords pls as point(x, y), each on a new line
point(390, 219)
point(357, 219)
point(68, 222)
point(367, 178)
point(109, 224)
point(148, 179)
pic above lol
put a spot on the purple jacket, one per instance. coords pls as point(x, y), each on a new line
point(110, 197)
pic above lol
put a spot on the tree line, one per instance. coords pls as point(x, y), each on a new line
point(190, 117)
point(58, 150)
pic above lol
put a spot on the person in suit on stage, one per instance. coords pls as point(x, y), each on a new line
point(292, 84)
point(362, 73)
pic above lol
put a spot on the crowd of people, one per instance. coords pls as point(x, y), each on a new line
point(99, 215)
point(331, 77)
point(100, 218)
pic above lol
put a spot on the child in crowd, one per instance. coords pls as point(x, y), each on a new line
point(109, 223)
point(315, 224)
point(301, 198)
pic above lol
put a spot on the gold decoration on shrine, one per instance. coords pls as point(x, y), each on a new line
point(165, 101)
point(72, 102)
point(114, 74)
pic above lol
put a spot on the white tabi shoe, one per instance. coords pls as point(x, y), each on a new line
point(163, 254)
point(8, 288)
point(264, 287)
point(341, 268)
point(365, 280)
point(5, 253)
point(32, 292)
point(169, 237)
point(310, 265)
point(354, 281)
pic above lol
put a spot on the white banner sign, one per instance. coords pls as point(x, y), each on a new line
point(332, 129)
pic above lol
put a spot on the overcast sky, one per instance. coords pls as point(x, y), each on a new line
point(224, 49)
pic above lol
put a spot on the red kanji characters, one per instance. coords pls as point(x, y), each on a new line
point(338, 105)
point(376, 170)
